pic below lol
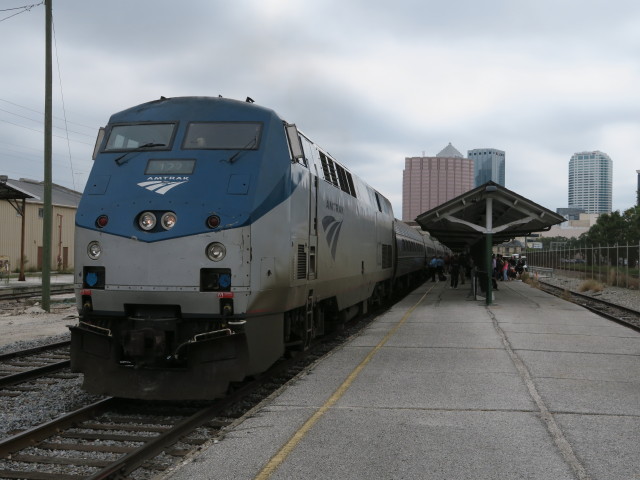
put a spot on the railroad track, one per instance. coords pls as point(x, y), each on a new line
point(114, 437)
point(625, 316)
point(33, 291)
point(117, 438)
point(27, 365)
point(108, 439)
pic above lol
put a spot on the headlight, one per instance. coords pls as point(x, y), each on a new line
point(168, 220)
point(94, 250)
point(147, 221)
point(216, 251)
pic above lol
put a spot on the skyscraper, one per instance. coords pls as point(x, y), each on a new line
point(488, 165)
point(590, 175)
point(430, 181)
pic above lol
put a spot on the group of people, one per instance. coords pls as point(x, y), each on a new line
point(457, 266)
point(507, 268)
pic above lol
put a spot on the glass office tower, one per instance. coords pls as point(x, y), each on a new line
point(590, 177)
point(488, 165)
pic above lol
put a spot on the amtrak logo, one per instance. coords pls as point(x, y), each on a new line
point(162, 185)
point(332, 231)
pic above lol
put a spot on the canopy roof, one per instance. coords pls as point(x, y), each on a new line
point(13, 192)
point(33, 192)
point(462, 221)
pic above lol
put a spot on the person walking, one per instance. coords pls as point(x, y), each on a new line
point(454, 271)
point(433, 264)
point(440, 269)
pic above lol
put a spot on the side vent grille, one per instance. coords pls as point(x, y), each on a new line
point(386, 256)
point(301, 270)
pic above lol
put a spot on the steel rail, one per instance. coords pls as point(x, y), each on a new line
point(33, 373)
point(34, 350)
point(34, 435)
point(586, 298)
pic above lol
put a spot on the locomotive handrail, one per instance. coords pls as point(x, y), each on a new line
point(88, 326)
point(208, 335)
point(200, 337)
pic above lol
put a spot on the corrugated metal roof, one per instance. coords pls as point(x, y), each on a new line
point(33, 191)
point(12, 192)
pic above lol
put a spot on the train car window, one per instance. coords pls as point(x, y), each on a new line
point(308, 149)
point(342, 176)
point(222, 136)
point(324, 160)
point(336, 174)
point(139, 135)
point(378, 201)
point(352, 187)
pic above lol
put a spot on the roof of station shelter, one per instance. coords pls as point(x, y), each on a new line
point(462, 221)
point(12, 192)
point(33, 192)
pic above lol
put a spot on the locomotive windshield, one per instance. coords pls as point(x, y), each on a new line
point(141, 135)
point(223, 136)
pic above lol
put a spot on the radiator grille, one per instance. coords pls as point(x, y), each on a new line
point(301, 268)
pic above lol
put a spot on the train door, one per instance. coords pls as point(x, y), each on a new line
point(302, 324)
point(302, 153)
point(313, 222)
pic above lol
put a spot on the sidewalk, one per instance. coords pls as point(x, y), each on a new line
point(443, 387)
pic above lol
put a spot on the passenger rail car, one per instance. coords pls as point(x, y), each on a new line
point(212, 236)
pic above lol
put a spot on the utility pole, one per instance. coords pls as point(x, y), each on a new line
point(47, 222)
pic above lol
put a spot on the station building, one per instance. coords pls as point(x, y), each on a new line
point(26, 197)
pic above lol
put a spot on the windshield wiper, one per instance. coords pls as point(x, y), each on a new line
point(120, 160)
point(235, 156)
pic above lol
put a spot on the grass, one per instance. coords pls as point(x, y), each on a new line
point(530, 279)
point(592, 285)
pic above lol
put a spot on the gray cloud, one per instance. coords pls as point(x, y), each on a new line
point(369, 82)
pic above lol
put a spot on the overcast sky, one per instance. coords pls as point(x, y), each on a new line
point(371, 81)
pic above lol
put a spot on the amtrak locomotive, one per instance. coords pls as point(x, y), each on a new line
point(212, 236)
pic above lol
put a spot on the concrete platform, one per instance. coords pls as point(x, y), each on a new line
point(444, 387)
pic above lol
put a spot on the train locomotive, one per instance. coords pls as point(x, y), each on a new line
point(211, 238)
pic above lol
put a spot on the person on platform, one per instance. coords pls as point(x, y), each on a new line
point(454, 270)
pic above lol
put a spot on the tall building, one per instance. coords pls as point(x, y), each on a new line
point(430, 181)
point(488, 165)
point(590, 176)
point(638, 191)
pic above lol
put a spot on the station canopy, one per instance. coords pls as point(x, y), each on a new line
point(12, 192)
point(462, 222)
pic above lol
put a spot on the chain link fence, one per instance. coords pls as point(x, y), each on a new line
point(614, 265)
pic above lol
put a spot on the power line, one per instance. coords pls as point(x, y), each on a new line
point(41, 113)
point(23, 9)
point(40, 122)
point(41, 131)
point(28, 7)
point(64, 111)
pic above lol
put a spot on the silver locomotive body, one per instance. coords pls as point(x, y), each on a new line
point(256, 250)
